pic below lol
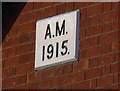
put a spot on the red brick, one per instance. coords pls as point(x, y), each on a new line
point(105, 81)
point(10, 82)
point(12, 31)
point(115, 46)
point(116, 78)
point(46, 4)
point(81, 4)
point(69, 6)
point(21, 79)
point(107, 38)
point(61, 8)
point(107, 27)
point(32, 36)
point(94, 41)
point(108, 58)
point(107, 6)
point(93, 10)
point(80, 76)
point(115, 25)
point(94, 51)
point(37, 5)
point(30, 77)
point(24, 38)
point(31, 57)
point(22, 87)
point(106, 70)
point(92, 73)
point(94, 3)
point(23, 59)
point(49, 73)
point(92, 30)
point(24, 69)
point(114, 68)
point(11, 62)
point(115, 5)
point(83, 54)
point(81, 65)
point(106, 48)
point(55, 82)
point(0, 75)
point(83, 13)
point(28, 7)
point(33, 86)
point(8, 72)
point(81, 85)
point(39, 14)
point(12, 41)
point(109, 16)
point(25, 28)
point(85, 23)
point(44, 84)
point(94, 62)
point(25, 48)
point(59, 70)
point(66, 87)
point(4, 53)
point(95, 20)
point(51, 11)
point(68, 68)
point(84, 43)
point(117, 57)
point(82, 33)
point(11, 52)
point(38, 75)
point(93, 84)
point(67, 79)
point(28, 17)
point(34, 77)
point(114, 86)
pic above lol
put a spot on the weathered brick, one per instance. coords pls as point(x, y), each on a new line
point(68, 68)
point(51, 11)
point(93, 10)
point(14, 61)
point(84, 43)
point(114, 67)
point(67, 79)
point(61, 8)
point(49, 73)
point(92, 30)
point(105, 81)
point(81, 5)
point(37, 5)
point(95, 20)
point(107, 27)
point(93, 84)
point(81, 65)
point(80, 76)
point(92, 73)
point(24, 69)
point(94, 51)
point(109, 16)
point(44, 84)
point(81, 85)
point(69, 6)
point(107, 6)
point(106, 70)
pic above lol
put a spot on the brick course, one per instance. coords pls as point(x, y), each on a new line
point(98, 66)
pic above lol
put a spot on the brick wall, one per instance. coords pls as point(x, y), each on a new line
point(99, 49)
